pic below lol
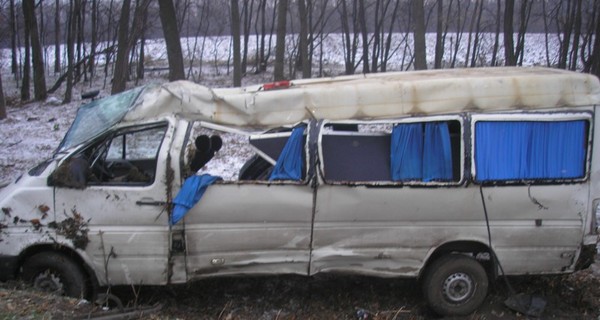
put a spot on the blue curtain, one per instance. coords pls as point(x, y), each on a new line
point(421, 155)
point(192, 190)
point(407, 152)
point(514, 150)
point(437, 153)
point(289, 163)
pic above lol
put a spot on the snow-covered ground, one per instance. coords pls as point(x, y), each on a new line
point(32, 131)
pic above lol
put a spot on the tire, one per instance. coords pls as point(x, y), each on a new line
point(55, 273)
point(455, 285)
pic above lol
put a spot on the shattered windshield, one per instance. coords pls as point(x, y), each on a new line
point(97, 116)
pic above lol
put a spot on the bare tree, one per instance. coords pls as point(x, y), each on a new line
point(25, 84)
point(248, 12)
point(13, 40)
point(235, 33)
point(120, 73)
point(590, 50)
point(497, 34)
point(127, 39)
point(439, 44)
point(168, 19)
point(303, 52)
point(74, 6)
point(362, 21)
point(39, 78)
point(509, 46)
point(94, 41)
point(2, 101)
point(280, 46)
point(57, 38)
point(419, 35)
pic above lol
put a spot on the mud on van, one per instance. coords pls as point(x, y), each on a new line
point(448, 176)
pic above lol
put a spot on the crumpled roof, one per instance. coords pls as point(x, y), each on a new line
point(372, 96)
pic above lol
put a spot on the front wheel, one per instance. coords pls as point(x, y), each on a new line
point(455, 285)
point(55, 273)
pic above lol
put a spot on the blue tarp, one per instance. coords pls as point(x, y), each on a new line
point(514, 150)
point(289, 163)
point(419, 154)
point(192, 190)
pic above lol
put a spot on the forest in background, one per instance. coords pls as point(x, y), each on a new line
point(56, 44)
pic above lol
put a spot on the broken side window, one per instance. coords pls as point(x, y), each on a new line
point(530, 150)
point(243, 155)
point(404, 152)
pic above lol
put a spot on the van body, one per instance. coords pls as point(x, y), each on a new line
point(448, 176)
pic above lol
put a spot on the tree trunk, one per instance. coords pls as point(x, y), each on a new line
point(248, 14)
point(121, 64)
point(594, 60)
point(71, 30)
point(364, 35)
point(303, 41)
point(168, 20)
point(419, 35)
point(80, 20)
point(14, 65)
point(39, 78)
point(280, 46)
point(57, 40)
point(235, 33)
point(94, 44)
point(496, 34)
point(25, 86)
point(525, 14)
point(509, 47)
point(262, 64)
point(576, 36)
point(439, 46)
point(2, 101)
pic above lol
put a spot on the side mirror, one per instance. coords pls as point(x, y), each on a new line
point(70, 174)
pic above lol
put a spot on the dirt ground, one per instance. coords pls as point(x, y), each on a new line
point(575, 296)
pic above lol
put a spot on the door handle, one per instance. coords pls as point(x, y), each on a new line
point(150, 203)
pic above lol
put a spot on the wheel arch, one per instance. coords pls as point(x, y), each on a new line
point(67, 251)
point(478, 250)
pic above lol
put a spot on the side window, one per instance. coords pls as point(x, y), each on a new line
point(530, 150)
point(358, 152)
point(393, 153)
point(276, 155)
point(128, 157)
point(423, 152)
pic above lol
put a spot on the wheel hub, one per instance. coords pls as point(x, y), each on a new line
point(48, 282)
point(458, 287)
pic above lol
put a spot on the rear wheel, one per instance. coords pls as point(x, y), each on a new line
point(55, 273)
point(455, 285)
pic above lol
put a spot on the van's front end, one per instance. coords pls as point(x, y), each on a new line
point(34, 233)
point(27, 205)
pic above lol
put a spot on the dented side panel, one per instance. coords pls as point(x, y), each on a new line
point(249, 228)
point(537, 229)
point(390, 231)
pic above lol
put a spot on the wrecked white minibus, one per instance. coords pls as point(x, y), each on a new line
point(448, 176)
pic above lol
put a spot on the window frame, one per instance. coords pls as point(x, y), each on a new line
point(123, 131)
point(533, 117)
point(254, 135)
point(460, 118)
